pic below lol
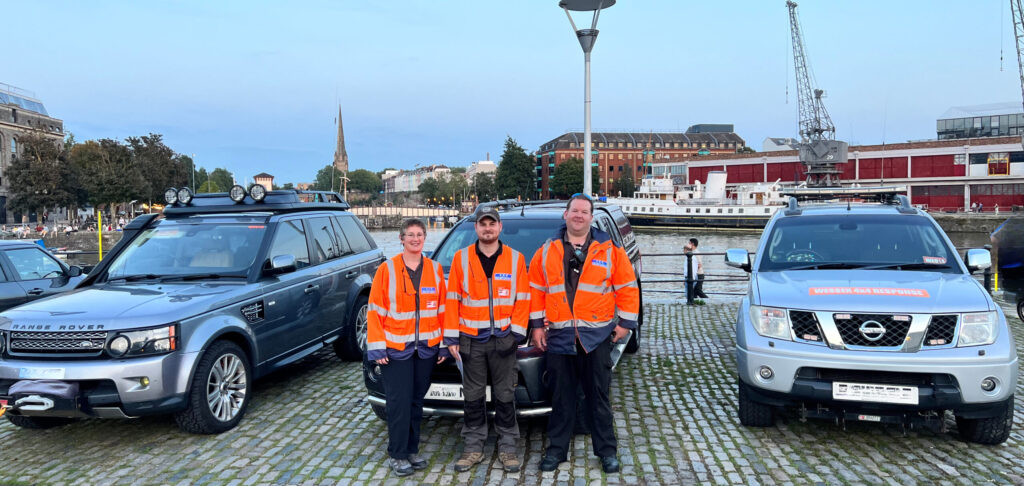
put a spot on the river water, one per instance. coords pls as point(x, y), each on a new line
point(724, 284)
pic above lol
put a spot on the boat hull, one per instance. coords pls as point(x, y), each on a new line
point(699, 221)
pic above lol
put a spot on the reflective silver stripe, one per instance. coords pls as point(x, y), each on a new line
point(597, 289)
point(440, 272)
point(455, 296)
point(608, 263)
point(401, 316)
point(522, 296)
point(539, 287)
point(518, 328)
point(426, 336)
point(625, 285)
point(629, 316)
point(465, 269)
point(515, 272)
point(375, 346)
point(378, 309)
point(582, 323)
point(561, 324)
point(428, 313)
point(441, 310)
point(544, 264)
point(537, 314)
point(475, 324)
point(554, 289)
point(451, 333)
point(467, 302)
point(398, 338)
point(393, 290)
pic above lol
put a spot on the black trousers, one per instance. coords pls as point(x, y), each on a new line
point(406, 382)
point(496, 358)
point(592, 371)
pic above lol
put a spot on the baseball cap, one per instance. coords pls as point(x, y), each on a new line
point(488, 212)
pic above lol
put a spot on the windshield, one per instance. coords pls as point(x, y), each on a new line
point(525, 235)
point(190, 248)
point(858, 241)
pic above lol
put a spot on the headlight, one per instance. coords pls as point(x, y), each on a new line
point(771, 322)
point(978, 328)
point(143, 342)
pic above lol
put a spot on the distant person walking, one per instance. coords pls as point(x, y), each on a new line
point(697, 286)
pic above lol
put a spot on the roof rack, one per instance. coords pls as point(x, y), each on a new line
point(889, 195)
point(284, 200)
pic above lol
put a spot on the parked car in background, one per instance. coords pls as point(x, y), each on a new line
point(525, 227)
point(189, 308)
point(28, 272)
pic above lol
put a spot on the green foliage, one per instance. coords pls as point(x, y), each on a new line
point(323, 179)
point(223, 178)
point(516, 176)
point(365, 181)
point(568, 178)
point(108, 172)
point(288, 186)
point(745, 150)
point(150, 156)
point(210, 186)
point(483, 186)
point(40, 176)
point(444, 189)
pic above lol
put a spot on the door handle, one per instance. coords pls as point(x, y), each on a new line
point(35, 292)
point(351, 274)
point(312, 288)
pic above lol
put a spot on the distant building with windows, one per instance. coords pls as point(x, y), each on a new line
point(21, 113)
point(481, 167)
point(265, 180)
point(410, 180)
point(777, 144)
point(616, 152)
point(991, 120)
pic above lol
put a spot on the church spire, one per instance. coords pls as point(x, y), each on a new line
point(340, 155)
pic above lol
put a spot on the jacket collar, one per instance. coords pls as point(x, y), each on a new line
point(596, 235)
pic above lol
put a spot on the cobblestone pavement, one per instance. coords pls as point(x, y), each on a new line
point(675, 417)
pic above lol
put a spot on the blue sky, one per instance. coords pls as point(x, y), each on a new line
point(254, 86)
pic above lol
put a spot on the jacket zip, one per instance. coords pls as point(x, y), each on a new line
point(490, 302)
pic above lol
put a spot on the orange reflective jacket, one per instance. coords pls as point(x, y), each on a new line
point(395, 326)
point(480, 307)
point(607, 290)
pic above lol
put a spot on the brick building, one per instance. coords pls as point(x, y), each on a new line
point(616, 152)
point(939, 174)
point(20, 113)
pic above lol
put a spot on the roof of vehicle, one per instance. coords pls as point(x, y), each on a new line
point(545, 209)
point(843, 208)
point(280, 201)
point(835, 200)
point(4, 243)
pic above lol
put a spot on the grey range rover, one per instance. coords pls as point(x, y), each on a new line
point(189, 308)
point(866, 312)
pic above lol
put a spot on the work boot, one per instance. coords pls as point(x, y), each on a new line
point(417, 462)
point(510, 461)
point(468, 460)
point(401, 467)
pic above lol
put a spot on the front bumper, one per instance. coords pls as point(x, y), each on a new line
point(108, 387)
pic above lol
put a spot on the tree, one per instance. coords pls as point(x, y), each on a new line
point(625, 184)
point(364, 180)
point(483, 186)
point(158, 162)
point(429, 189)
point(223, 178)
point(210, 186)
point(108, 172)
point(516, 175)
point(201, 176)
point(288, 186)
point(568, 178)
point(745, 150)
point(39, 176)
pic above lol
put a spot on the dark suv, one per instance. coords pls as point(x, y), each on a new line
point(525, 227)
point(189, 308)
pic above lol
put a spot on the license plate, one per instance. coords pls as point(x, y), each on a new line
point(42, 373)
point(442, 391)
point(869, 392)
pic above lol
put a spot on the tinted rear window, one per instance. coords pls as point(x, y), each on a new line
point(525, 235)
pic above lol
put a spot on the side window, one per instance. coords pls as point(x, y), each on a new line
point(33, 264)
point(323, 239)
point(354, 234)
point(291, 240)
point(343, 245)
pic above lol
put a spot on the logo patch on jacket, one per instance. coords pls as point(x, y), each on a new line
point(428, 290)
point(600, 263)
point(432, 304)
point(503, 276)
point(504, 292)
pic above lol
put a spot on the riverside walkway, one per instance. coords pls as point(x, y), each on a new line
point(675, 418)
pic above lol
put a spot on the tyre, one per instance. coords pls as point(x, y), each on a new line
point(990, 431)
point(26, 422)
point(1020, 309)
point(753, 414)
point(380, 412)
point(351, 345)
point(220, 391)
point(634, 340)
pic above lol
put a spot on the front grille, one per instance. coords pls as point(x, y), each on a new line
point(879, 377)
point(805, 326)
point(850, 330)
point(940, 331)
point(86, 342)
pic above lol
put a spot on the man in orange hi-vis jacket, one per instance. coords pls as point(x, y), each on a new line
point(584, 298)
point(403, 336)
point(487, 311)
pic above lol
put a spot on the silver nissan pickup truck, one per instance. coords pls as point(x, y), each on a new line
point(865, 312)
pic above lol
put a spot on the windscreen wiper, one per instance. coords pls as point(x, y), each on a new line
point(909, 266)
point(827, 266)
point(135, 278)
point(201, 276)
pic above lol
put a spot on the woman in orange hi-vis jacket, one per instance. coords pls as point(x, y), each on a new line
point(403, 336)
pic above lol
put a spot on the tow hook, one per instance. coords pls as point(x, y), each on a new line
point(34, 403)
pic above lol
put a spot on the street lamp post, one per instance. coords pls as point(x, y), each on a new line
point(587, 37)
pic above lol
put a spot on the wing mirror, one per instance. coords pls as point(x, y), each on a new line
point(978, 259)
point(74, 271)
point(281, 264)
point(738, 258)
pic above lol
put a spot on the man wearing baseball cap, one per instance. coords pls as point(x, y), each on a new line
point(486, 315)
